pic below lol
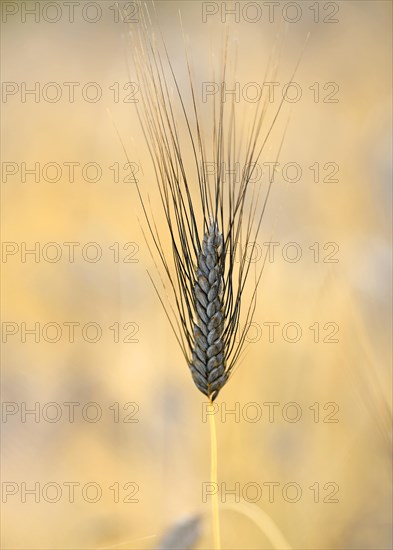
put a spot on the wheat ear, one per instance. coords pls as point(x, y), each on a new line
point(203, 280)
point(208, 356)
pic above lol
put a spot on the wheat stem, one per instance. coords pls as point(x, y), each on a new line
point(213, 477)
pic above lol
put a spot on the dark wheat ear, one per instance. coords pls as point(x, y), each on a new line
point(208, 355)
point(206, 222)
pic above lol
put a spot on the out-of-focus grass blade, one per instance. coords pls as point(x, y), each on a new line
point(182, 536)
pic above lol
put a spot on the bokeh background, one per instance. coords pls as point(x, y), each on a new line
point(166, 452)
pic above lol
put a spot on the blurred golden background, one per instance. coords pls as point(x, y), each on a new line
point(137, 430)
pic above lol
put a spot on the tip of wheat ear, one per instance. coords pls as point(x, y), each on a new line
point(208, 354)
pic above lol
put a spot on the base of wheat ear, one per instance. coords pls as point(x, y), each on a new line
point(208, 356)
